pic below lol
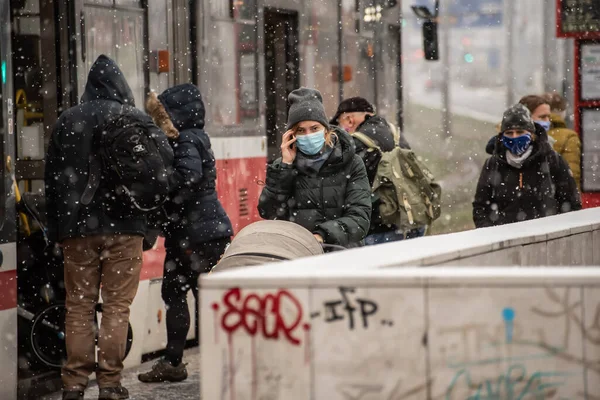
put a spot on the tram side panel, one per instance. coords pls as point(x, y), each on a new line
point(8, 318)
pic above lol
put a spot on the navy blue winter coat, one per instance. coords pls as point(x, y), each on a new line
point(194, 210)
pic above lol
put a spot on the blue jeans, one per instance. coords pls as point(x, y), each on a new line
point(393, 236)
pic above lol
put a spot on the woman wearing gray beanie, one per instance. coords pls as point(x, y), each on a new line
point(318, 182)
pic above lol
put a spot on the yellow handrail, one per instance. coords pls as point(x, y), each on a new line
point(18, 198)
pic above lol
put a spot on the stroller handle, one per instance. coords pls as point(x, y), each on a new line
point(330, 248)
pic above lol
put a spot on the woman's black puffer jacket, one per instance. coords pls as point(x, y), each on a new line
point(334, 202)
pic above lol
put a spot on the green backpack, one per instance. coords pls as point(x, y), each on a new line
point(409, 196)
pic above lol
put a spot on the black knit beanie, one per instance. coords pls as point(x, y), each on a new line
point(353, 104)
point(517, 117)
point(306, 105)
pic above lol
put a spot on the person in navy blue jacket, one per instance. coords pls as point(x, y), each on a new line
point(198, 229)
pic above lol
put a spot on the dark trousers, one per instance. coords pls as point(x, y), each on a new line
point(181, 272)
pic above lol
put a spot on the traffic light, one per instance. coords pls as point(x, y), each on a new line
point(3, 72)
point(469, 58)
point(430, 40)
point(430, 36)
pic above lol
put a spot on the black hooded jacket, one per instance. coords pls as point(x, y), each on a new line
point(334, 202)
point(67, 160)
point(543, 186)
point(195, 212)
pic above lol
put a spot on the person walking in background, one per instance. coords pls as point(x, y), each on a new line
point(525, 178)
point(318, 182)
point(565, 141)
point(101, 237)
point(198, 229)
point(356, 114)
point(539, 110)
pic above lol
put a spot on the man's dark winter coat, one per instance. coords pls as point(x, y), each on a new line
point(334, 202)
point(67, 161)
point(378, 130)
point(544, 186)
point(195, 212)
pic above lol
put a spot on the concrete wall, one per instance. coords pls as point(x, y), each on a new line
point(368, 324)
point(402, 333)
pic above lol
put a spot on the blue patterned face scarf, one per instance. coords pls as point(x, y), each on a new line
point(518, 145)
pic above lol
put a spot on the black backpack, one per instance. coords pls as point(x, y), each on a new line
point(126, 160)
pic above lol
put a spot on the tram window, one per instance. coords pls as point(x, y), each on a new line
point(245, 10)
point(220, 9)
point(100, 2)
point(234, 101)
point(125, 45)
point(129, 3)
point(28, 80)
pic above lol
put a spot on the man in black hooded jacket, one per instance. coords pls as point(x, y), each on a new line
point(99, 249)
point(525, 178)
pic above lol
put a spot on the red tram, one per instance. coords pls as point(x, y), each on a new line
point(244, 55)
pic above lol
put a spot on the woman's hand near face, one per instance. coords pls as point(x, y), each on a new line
point(288, 148)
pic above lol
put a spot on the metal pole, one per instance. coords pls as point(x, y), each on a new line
point(340, 54)
point(569, 80)
point(551, 52)
point(510, 78)
point(375, 65)
point(446, 119)
point(400, 81)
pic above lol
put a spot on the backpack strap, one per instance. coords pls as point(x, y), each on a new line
point(553, 169)
point(93, 183)
point(95, 169)
point(367, 141)
point(395, 133)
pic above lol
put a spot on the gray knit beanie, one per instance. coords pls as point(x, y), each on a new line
point(517, 117)
point(306, 105)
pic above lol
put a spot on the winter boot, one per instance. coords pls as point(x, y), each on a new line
point(72, 395)
point(113, 393)
point(163, 371)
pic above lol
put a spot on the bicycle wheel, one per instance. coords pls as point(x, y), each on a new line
point(48, 335)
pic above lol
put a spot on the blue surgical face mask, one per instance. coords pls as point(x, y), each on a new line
point(311, 143)
point(544, 124)
point(518, 145)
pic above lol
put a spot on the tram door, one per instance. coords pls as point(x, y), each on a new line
point(7, 212)
point(281, 72)
point(8, 295)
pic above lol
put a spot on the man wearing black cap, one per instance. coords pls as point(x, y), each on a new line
point(356, 114)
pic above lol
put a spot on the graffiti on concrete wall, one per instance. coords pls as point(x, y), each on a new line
point(534, 351)
point(355, 310)
point(509, 349)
